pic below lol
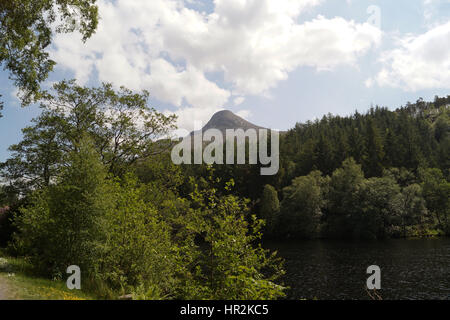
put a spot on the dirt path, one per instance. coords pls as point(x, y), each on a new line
point(3, 289)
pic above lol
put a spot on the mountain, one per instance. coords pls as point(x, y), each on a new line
point(226, 119)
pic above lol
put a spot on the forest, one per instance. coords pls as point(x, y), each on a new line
point(92, 184)
point(367, 176)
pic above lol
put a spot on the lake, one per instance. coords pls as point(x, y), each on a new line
point(410, 269)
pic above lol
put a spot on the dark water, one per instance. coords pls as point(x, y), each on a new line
point(410, 269)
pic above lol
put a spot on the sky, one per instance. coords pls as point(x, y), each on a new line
point(275, 63)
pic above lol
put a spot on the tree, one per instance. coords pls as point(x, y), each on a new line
point(442, 135)
point(390, 147)
point(121, 125)
point(323, 155)
point(65, 223)
point(341, 205)
point(269, 208)
point(436, 192)
point(442, 127)
point(373, 218)
point(409, 206)
point(162, 179)
point(301, 208)
point(357, 145)
point(26, 30)
point(409, 144)
point(403, 176)
point(35, 160)
point(4, 201)
point(375, 151)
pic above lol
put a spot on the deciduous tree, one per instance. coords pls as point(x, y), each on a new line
point(26, 30)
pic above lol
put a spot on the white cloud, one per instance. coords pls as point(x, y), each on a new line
point(238, 100)
point(189, 84)
point(420, 62)
point(169, 49)
point(432, 10)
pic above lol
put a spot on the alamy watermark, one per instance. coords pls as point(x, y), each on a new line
point(374, 13)
point(374, 281)
point(74, 280)
point(212, 145)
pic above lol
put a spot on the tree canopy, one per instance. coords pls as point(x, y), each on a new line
point(26, 30)
point(121, 124)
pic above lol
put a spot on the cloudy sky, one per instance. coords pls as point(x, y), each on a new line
point(273, 62)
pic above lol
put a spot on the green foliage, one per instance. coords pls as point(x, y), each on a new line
point(346, 205)
point(372, 218)
point(65, 223)
point(35, 160)
point(412, 136)
point(205, 248)
point(269, 208)
point(436, 191)
point(218, 245)
point(301, 208)
point(162, 178)
point(344, 185)
point(120, 123)
point(232, 256)
point(138, 252)
point(105, 228)
point(375, 152)
point(411, 212)
point(26, 30)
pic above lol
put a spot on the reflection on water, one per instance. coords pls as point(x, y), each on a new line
point(410, 269)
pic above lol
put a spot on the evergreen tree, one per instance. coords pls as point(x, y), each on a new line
point(373, 165)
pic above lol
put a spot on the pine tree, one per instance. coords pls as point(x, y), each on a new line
point(373, 166)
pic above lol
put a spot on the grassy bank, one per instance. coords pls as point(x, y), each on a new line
point(18, 282)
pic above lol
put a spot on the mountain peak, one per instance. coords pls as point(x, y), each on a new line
point(223, 113)
point(225, 119)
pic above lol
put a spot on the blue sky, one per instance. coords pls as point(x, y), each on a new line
point(273, 62)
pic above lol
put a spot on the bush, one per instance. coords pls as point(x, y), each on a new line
point(138, 254)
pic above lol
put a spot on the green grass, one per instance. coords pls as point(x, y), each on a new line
point(18, 282)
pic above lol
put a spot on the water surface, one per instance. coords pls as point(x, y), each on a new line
point(410, 269)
